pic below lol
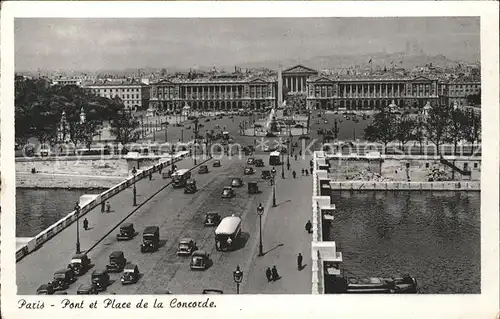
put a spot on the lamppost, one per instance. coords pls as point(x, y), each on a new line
point(77, 212)
point(282, 166)
point(238, 277)
point(195, 137)
point(273, 171)
point(182, 135)
point(166, 125)
point(134, 171)
point(260, 211)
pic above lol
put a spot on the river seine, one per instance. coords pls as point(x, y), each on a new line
point(433, 236)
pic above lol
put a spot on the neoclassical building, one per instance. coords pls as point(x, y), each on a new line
point(228, 92)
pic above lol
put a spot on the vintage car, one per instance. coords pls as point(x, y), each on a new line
point(216, 163)
point(228, 192)
point(86, 289)
point(249, 170)
point(45, 289)
point(203, 169)
point(130, 274)
point(199, 260)
point(63, 278)
point(100, 279)
point(212, 292)
point(60, 292)
point(259, 163)
point(253, 188)
point(266, 174)
point(127, 232)
point(212, 219)
point(186, 247)
point(150, 239)
point(190, 187)
point(80, 264)
point(250, 161)
point(117, 261)
point(236, 182)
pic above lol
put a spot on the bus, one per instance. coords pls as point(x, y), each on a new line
point(180, 177)
point(227, 233)
point(275, 158)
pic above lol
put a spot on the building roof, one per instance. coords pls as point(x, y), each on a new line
point(116, 82)
point(216, 79)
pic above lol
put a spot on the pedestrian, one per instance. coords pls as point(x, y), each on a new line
point(108, 207)
point(160, 169)
point(311, 170)
point(288, 166)
point(85, 224)
point(274, 272)
point(295, 156)
point(308, 226)
point(300, 153)
point(150, 175)
point(303, 172)
point(307, 172)
point(299, 261)
point(294, 174)
point(269, 274)
point(103, 204)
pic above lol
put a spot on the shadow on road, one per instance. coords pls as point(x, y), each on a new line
point(278, 204)
point(270, 250)
point(242, 241)
point(161, 243)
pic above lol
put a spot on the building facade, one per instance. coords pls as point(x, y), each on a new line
point(461, 87)
point(135, 95)
point(214, 93)
point(295, 78)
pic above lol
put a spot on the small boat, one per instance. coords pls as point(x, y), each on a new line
point(374, 285)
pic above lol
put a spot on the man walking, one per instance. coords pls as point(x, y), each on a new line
point(299, 261)
point(85, 224)
point(103, 206)
point(308, 226)
point(288, 166)
point(294, 174)
point(269, 274)
point(274, 272)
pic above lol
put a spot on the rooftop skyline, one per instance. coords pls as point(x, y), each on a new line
point(93, 44)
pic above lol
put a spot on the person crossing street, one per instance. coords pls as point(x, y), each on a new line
point(85, 224)
point(299, 262)
point(294, 174)
point(269, 274)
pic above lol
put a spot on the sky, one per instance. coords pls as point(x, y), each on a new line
point(93, 44)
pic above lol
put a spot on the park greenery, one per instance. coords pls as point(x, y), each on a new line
point(442, 124)
point(39, 107)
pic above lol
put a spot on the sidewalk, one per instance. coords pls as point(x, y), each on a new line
point(284, 236)
point(58, 251)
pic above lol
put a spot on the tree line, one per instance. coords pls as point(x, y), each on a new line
point(442, 124)
point(39, 107)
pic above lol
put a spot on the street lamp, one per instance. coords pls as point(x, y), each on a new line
point(77, 213)
point(273, 171)
point(282, 166)
point(238, 277)
point(260, 211)
point(134, 171)
point(182, 135)
point(166, 125)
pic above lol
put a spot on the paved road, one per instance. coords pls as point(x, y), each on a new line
point(178, 215)
point(57, 252)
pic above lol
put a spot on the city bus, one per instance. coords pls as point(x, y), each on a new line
point(180, 177)
point(275, 158)
point(227, 233)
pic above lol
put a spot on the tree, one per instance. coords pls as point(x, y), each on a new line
point(474, 99)
point(472, 128)
point(89, 130)
point(125, 127)
point(419, 131)
point(456, 127)
point(437, 124)
point(404, 129)
point(382, 129)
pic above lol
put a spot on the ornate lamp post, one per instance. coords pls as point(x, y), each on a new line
point(77, 212)
point(238, 277)
point(134, 171)
point(282, 166)
point(260, 211)
point(195, 137)
point(182, 135)
point(273, 171)
point(166, 125)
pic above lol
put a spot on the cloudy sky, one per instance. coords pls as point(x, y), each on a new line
point(92, 44)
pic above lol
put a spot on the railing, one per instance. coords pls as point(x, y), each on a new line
point(64, 222)
point(402, 185)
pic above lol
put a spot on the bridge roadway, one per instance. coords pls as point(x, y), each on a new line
point(178, 215)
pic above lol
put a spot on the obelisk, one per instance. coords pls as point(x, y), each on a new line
point(280, 88)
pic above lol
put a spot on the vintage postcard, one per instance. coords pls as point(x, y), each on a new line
point(285, 159)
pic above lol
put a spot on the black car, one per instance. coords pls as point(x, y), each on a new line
point(250, 161)
point(216, 163)
point(80, 263)
point(190, 187)
point(130, 274)
point(127, 232)
point(117, 261)
point(212, 292)
point(63, 278)
point(249, 170)
point(100, 279)
point(259, 163)
point(86, 289)
point(150, 239)
point(212, 219)
point(266, 174)
point(203, 169)
point(45, 289)
point(236, 182)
